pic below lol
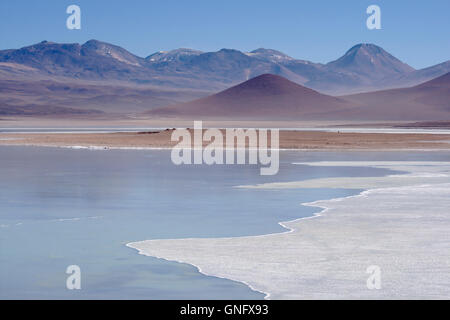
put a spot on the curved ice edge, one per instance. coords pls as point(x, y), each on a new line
point(282, 224)
point(141, 252)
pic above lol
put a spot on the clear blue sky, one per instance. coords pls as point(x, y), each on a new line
point(415, 31)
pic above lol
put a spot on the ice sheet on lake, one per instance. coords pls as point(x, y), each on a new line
point(402, 225)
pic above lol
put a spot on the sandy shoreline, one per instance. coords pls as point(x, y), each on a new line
point(401, 225)
point(289, 140)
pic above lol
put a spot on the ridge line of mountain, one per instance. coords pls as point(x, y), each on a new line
point(364, 67)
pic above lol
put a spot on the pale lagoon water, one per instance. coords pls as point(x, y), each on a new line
point(60, 207)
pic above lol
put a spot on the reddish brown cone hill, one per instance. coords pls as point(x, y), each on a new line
point(267, 96)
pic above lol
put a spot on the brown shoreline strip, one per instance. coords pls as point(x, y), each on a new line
point(288, 140)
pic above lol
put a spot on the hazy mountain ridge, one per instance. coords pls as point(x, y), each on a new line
point(363, 67)
point(426, 101)
point(21, 97)
point(101, 77)
point(92, 60)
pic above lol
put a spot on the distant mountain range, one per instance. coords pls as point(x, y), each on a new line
point(364, 67)
point(96, 77)
point(271, 97)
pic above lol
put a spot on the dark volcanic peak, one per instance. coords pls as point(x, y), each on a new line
point(371, 60)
